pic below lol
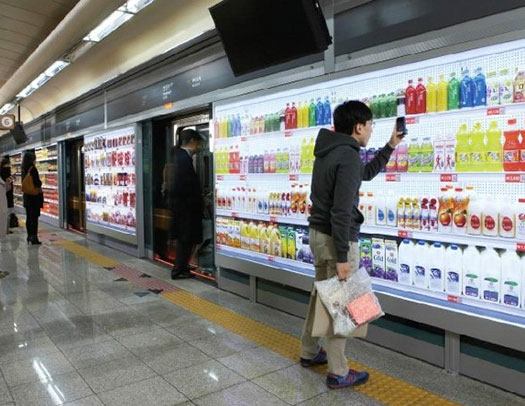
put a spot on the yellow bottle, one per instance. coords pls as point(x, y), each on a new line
point(462, 149)
point(401, 219)
point(431, 96)
point(477, 149)
point(494, 149)
point(442, 94)
point(300, 115)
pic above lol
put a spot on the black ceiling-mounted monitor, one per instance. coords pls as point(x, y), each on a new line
point(18, 133)
point(257, 34)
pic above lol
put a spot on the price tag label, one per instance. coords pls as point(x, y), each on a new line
point(243, 138)
point(404, 234)
point(520, 247)
point(392, 177)
point(412, 120)
point(242, 177)
point(220, 177)
point(235, 214)
point(273, 219)
point(271, 259)
point(294, 177)
point(448, 177)
point(495, 111)
point(513, 178)
point(287, 133)
point(453, 299)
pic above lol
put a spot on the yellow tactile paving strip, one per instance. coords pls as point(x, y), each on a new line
point(381, 387)
point(88, 254)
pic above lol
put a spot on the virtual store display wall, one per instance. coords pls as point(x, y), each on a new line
point(47, 165)
point(446, 219)
point(111, 180)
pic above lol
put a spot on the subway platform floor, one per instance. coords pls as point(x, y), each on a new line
point(82, 324)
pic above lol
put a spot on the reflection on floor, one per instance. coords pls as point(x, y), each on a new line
point(82, 324)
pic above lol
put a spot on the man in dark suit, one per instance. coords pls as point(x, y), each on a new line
point(185, 200)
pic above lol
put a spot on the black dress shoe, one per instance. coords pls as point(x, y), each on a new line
point(181, 275)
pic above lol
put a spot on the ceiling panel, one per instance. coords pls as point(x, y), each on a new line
point(24, 25)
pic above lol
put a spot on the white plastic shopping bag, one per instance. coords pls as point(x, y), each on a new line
point(350, 303)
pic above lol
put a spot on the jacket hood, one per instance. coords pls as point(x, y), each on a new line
point(328, 140)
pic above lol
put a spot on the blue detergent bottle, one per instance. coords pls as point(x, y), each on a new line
point(327, 111)
point(479, 97)
point(319, 112)
point(465, 90)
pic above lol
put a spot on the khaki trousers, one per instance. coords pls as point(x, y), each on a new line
point(323, 249)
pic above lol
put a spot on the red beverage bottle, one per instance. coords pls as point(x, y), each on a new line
point(293, 116)
point(421, 97)
point(410, 98)
point(287, 117)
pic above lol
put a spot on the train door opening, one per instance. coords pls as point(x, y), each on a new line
point(75, 218)
point(165, 137)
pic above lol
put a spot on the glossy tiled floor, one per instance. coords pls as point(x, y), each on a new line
point(72, 332)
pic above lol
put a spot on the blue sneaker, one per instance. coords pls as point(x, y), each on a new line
point(353, 378)
point(320, 359)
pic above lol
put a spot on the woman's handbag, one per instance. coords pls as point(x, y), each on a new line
point(28, 186)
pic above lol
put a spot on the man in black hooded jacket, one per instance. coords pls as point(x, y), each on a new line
point(335, 222)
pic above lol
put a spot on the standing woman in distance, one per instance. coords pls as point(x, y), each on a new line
point(33, 196)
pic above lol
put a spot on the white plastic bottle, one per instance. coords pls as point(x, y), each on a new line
point(507, 220)
point(453, 272)
point(370, 209)
point(380, 210)
point(436, 280)
point(421, 265)
point(406, 259)
point(391, 210)
point(490, 218)
point(520, 220)
point(471, 270)
point(511, 279)
point(491, 276)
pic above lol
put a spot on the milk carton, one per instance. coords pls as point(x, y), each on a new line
point(439, 154)
point(491, 276)
point(378, 258)
point(365, 254)
point(450, 154)
point(406, 260)
point(421, 271)
point(511, 279)
point(471, 270)
point(436, 279)
point(391, 260)
point(453, 270)
point(380, 212)
point(391, 211)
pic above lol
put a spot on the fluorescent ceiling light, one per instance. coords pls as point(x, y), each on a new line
point(6, 108)
point(40, 80)
point(134, 6)
point(26, 91)
point(106, 27)
point(55, 68)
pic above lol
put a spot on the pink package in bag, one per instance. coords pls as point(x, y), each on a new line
point(364, 309)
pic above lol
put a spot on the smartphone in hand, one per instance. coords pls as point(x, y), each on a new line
point(401, 125)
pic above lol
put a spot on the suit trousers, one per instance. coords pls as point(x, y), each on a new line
point(323, 249)
point(183, 253)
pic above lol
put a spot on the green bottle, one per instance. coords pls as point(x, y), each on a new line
point(311, 114)
point(453, 92)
